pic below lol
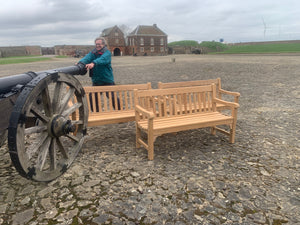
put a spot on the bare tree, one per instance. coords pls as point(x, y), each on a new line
point(126, 30)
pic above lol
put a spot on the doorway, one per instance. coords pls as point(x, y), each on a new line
point(117, 52)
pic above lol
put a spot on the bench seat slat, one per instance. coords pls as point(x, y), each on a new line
point(97, 119)
point(180, 123)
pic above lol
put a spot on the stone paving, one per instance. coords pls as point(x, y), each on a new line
point(195, 178)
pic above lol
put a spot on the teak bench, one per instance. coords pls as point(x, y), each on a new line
point(163, 111)
point(217, 82)
point(112, 104)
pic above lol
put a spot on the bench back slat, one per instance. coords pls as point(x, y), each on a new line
point(177, 101)
point(100, 98)
point(216, 81)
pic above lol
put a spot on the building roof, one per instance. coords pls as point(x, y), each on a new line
point(107, 31)
point(142, 30)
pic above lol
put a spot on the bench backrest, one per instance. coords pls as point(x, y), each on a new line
point(216, 81)
point(177, 101)
point(100, 98)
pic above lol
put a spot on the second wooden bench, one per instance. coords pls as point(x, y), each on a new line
point(163, 111)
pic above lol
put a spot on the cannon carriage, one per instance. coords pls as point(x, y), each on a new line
point(37, 114)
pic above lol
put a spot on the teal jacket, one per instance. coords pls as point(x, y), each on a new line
point(102, 73)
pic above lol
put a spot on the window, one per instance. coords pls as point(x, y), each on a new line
point(142, 49)
point(117, 41)
point(152, 41)
point(152, 49)
point(161, 41)
point(116, 34)
point(162, 49)
point(142, 41)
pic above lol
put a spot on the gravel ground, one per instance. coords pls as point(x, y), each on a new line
point(195, 178)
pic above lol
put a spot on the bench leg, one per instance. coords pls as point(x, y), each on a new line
point(233, 127)
point(213, 130)
point(150, 149)
point(232, 133)
point(138, 136)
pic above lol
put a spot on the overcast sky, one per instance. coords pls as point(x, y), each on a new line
point(57, 22)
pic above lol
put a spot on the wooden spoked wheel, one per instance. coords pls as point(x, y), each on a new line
point(47, 126)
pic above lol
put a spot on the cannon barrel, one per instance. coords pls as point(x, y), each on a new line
point(9, 82)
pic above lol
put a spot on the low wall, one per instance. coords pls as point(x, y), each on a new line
point(20, 51)
point(73, 50)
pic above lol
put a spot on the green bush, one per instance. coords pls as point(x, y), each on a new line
point(214, 46)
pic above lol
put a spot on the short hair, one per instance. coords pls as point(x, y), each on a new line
point(102, 39)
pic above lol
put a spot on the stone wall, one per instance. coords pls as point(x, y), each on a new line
point(48, 51)
point(20, 51)
point(33, 50)
point(73, 50)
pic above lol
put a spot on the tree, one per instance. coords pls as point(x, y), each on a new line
point(126, 30)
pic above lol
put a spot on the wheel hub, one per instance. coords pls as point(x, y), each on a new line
point(60, 126)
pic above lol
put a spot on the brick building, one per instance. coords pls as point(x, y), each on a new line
point(147, 40)
point(115, 40)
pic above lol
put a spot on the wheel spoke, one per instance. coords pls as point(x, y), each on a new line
point(47, 102)
point(71, 109)
point(44, 149)
point(72, 137)
point(52, 154)
point(77, 122)
point(36, 129)
point(57, 96)
point(31, 151)
point(38, 113)
point(66, 99)
point(61, 148)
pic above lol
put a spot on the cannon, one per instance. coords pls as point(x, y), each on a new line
point(44, 115)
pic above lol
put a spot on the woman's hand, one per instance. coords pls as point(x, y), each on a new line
point(90, 66)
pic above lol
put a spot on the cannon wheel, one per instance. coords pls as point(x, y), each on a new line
point(47, 126)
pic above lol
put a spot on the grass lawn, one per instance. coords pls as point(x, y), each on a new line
point(263, 48)
point(22, 59)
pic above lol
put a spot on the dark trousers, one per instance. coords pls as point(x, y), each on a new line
point(114, 102)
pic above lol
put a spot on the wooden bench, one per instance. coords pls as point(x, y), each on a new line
point(160, 111)
point(102, 109)
point(217, 82)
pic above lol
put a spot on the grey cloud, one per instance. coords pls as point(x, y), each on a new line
point(77, 21)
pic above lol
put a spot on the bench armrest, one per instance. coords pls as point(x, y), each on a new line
point(236, 95)
point(226, 103)
point(140, 110)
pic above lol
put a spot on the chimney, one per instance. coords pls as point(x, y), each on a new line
point(154, 25)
